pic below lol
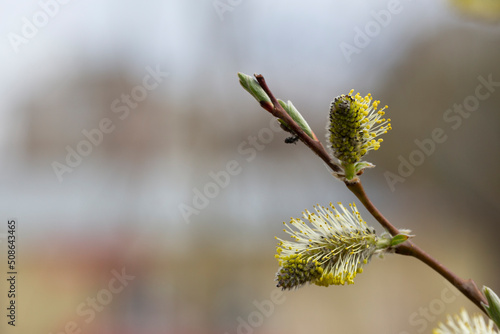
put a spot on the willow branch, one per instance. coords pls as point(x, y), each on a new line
point(467, 287)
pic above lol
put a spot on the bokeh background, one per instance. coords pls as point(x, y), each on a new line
point(120, 208)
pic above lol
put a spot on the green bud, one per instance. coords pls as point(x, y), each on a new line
point(493, 307)
point(252, 86)
point(359, 166)
point(398, 239)
point(297, 117)
point(387, 241)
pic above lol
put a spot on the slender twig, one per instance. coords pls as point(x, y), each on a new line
point(277, 111)
point(357, 189)
point(467, 287)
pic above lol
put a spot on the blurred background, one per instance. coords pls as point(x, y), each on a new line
point(116, 115)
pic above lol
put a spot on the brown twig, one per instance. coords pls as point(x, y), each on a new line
point(358, 190)
point(467, 287)
point(277, 111)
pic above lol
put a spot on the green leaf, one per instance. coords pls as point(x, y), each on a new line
point(493, 307)
point(359, 166)
point(252, 86)
point(398, 239)
point(297, 117)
